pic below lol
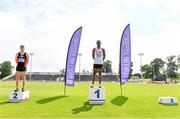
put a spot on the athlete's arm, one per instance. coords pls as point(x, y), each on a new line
point(27, 60)
point(104, 54)
point(16, 58)
point(93, 53)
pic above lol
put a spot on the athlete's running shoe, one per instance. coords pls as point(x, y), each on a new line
point(100, 86)
point(23, 89)
point(16, 90)
point(92, 86)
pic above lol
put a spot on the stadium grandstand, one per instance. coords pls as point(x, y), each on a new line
point(59, 77)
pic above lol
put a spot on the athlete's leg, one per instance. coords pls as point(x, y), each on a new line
point(23, 79)
point(94, 75)
point(17, 80)
point(100, 75)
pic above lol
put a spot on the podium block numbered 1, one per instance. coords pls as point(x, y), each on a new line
point(96, 95)
point(18, 96)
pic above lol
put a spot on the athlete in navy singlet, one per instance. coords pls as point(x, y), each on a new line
point(22, 59)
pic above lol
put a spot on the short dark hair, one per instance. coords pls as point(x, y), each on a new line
point(98, 41)
point(21, 46)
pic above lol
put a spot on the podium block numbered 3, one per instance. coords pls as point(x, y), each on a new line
point(96, 95)
point(168, 100)
point(18, 96)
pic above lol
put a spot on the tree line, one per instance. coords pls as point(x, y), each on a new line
point(158, 66)
point(6, 69)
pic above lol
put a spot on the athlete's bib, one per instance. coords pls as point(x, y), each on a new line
point(21, 62)
point(21, 57)
point(98, 59)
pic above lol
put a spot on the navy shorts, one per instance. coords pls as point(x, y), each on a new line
point(21, 69)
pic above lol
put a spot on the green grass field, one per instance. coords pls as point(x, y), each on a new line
point(47, 101)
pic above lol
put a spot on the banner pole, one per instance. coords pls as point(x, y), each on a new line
point(65, 80)
point(65, 90)
point(121, 89)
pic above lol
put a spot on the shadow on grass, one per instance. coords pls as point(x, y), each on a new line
point(86, 107)
point(49, 99)
point(119, 100)
point(169, 104)
point(6, 102)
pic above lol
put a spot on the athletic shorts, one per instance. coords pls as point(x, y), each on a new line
point(97, 66)
point(21, 69)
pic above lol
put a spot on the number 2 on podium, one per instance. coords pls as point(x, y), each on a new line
point(98, 93)
point(15, 95)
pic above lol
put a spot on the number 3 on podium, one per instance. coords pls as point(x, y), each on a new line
point(15, 95)
point(98, 93)
point(172, 101)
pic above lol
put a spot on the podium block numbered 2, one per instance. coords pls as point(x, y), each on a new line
point(18, 96)
point(96, 95)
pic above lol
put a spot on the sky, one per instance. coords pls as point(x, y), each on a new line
point(46, 26)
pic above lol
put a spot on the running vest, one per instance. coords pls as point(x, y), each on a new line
point(21, 59)
point(98, 58)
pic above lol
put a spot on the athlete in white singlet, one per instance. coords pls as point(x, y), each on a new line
point(98, 54)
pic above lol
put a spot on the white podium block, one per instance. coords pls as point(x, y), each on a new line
point(96, 95)
point(18, 96)
point(168, 100)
